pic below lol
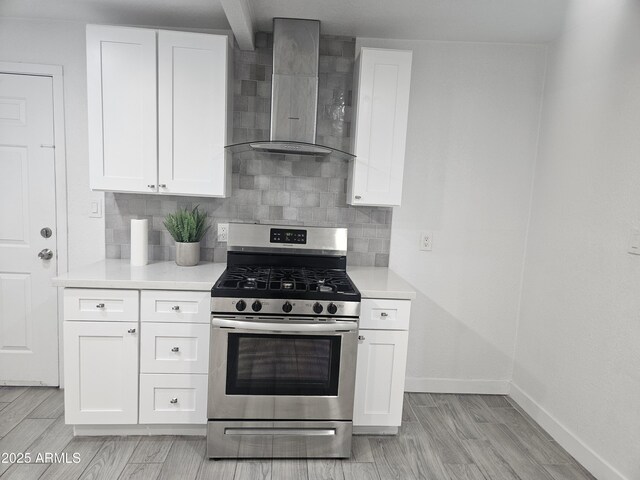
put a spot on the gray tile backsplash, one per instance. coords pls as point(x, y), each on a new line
point(278, 189)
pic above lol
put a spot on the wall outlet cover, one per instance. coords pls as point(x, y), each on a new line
point(426, 241)
point(223, 232)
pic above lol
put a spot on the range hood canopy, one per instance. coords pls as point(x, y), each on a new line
point(294, 93)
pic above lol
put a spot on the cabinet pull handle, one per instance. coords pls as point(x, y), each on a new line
point(175, 308)
point(358, 197)
point(360, 337)
point(384, 314)
point(131, 330)
point(100, 305)
point(151, 186)
point(162, 185)
point(175, 349)
point(173, 400)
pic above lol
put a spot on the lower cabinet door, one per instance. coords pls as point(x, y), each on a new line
point(101, 372)
point(173, 398)
point(380, 371)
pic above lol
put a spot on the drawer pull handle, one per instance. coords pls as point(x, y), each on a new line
point(358, 197)
point(175, 308)
point(131, 330)
point(384, 314)
point(360, 337)
point(100, 305)
point(163, 185)
point(175, 349)
point(173, 400)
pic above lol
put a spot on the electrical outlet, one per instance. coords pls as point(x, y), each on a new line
point(426, 241)
point(223, 232)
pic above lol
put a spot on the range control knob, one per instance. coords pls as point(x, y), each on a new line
point(241, 305)
point(317, 308)
point(332, 309)
point(256, 306)
point(287, 307)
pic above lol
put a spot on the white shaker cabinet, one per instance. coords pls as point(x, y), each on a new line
point(380, 368)
point(158, 104)
point(101, 372)
point(121, 101)
point(193, 113)
point(382, 82)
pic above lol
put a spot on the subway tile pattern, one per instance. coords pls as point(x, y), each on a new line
point(277, 189)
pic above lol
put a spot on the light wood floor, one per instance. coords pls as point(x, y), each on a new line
point(448, 437)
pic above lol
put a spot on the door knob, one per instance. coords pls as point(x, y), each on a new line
point(360, 337)
point(131, 330)
point(173, 400)
point(45, 254)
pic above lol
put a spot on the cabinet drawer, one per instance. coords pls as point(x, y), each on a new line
point(100, 304)
point(378, 314)
point(174, 348)
point(173, 399)
point(175, 306)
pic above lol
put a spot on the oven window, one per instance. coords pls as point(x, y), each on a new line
point(263, 364)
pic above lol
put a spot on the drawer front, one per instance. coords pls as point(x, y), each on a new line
point(174, 348)
point(100, 304)
point(175, 306)
point(378, 314)
point(173, 399)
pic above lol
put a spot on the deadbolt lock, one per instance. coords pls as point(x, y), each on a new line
point(46, 232)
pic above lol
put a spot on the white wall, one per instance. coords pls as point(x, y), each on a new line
point(471, 146)
point(577, 366)
point(63, 43)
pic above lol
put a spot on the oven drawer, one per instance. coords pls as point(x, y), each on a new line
point(173, 399)
point(175, 306)
point(378, 314)
point(278, 439)
point(94, 304)
point(174, 348)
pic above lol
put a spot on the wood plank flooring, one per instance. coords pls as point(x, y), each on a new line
point(443, 437)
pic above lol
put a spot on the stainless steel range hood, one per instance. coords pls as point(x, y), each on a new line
point(294, 92)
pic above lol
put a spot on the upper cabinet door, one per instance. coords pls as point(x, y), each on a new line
point(382, 104)
point(193, 97)
point(121, 96)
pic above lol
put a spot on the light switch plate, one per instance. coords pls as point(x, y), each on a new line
point(426, 241)
point(223, 232)
point(95, 208)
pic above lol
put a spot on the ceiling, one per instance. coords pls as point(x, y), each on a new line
point(512, 21)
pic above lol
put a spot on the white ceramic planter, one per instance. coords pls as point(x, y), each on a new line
point(187, 254)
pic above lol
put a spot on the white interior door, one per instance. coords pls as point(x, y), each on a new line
point(28, 301)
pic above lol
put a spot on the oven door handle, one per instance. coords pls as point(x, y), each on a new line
point(338, 326)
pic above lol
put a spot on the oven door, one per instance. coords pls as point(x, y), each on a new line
point(284, 369)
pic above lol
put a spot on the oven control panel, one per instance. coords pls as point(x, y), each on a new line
point(288, 235)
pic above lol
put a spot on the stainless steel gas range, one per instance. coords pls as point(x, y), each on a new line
point(284, 319)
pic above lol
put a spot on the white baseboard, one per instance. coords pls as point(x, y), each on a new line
point(593, 462)
point(454, 385)
point(136, 429)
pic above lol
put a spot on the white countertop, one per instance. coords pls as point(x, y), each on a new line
point(155, 276)
point(380, 282)
point(373, 282)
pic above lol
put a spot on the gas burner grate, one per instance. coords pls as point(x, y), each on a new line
point(245, 278)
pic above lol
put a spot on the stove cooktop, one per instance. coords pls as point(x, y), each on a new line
point(285, 282)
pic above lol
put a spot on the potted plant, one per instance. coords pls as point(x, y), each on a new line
point(187, 227)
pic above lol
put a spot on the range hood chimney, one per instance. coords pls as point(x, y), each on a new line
point(294, 92)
